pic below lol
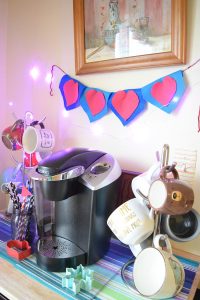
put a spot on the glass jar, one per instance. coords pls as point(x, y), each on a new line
point(23, 226)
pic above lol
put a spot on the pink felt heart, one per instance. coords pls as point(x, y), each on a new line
point(71, 92)
point(125, 103)
point(164, 91)
point(96, 101)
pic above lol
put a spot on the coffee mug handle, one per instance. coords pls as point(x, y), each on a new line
point(152, 171)
point(168, 169)
point(18, 124)
point(34, 123)
point(162, 237)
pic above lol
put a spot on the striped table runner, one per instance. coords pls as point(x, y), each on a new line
point(107, 283)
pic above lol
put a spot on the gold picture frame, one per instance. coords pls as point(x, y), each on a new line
point(175, 56)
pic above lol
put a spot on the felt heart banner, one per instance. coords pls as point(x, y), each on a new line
point(165, 93)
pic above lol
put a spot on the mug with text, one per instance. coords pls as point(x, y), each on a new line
point(132, 222)
point(38, 140)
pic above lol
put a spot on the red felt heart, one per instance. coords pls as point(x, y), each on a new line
point(125, 103)
point(96, 101)
point(71, 92)
point(164, 91)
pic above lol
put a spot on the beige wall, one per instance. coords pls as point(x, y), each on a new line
point(41, 33)
point(3, 80)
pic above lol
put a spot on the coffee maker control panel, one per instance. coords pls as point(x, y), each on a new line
point(99, 168)
point(101, 173)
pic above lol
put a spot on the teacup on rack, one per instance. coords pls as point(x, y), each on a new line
point(170, 195)
point(157, 273)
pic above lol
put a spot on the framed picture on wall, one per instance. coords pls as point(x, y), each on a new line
point(115, 35)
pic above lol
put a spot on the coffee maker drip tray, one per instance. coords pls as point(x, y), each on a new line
point(55, 254)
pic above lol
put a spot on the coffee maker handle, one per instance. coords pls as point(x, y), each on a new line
point(153, 170)
point(18, 124)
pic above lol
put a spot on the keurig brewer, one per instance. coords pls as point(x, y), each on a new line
point(75, 191)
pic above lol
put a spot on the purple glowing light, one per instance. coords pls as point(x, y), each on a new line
point(65, 113)
point(48, 77)
point(34, 73)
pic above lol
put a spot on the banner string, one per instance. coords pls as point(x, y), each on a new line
point(56, 66)
point(52, 75)
point(193, 64)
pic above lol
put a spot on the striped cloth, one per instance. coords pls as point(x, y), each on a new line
point(107, 283)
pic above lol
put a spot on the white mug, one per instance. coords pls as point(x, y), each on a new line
point(165, 276)
point(132, 222)
point(141, 183)
point(37, 140)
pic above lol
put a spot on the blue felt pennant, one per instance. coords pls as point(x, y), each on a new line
point(127, 104)
point(94, 103)
point(71, 90)
point(166, 92)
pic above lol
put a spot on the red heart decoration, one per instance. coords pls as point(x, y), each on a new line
point(125, 103)
point(71, 92)
point(96, 101)
point(164, 91)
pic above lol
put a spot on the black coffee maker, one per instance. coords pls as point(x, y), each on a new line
point(75, 191)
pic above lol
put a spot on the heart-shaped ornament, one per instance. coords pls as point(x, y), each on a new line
point(96, 101)
point(70, 89)
point(125, 103)
point(164, 91)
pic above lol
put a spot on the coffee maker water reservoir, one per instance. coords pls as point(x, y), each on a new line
point(75, 191)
